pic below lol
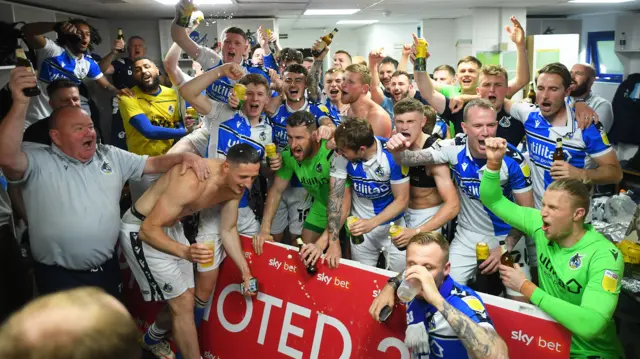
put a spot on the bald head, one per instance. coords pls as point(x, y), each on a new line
point(80, 323)
point(60, 114)
point(582, 78)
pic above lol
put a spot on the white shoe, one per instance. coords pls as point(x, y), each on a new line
point(161, 350)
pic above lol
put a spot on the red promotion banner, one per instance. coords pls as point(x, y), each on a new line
point(297, 315)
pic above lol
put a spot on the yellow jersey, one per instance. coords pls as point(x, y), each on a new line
point(162, 110)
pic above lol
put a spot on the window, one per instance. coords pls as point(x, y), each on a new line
point(601, 54)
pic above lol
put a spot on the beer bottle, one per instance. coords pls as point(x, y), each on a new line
point(326, 41)
point(241, 93)
point(311, 268)
point(420, 63)
point(120, 37)
point(486, 283)
point(558, 154)
point(23, 61)
point(532, 93)
point(506, 258)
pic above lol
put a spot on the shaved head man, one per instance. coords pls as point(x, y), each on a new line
point(79, 323)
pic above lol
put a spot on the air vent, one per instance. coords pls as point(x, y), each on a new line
point(284, 36)
point(113, 1)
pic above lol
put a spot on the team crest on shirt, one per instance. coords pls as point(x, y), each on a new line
point(505, 121)
point(171, 109)
point(106, 168)
point(380, 171)
point(432, 323)
point(263, 136)
point(576, 261)
point(167, 288)
point(568, 136)
point(319, 168)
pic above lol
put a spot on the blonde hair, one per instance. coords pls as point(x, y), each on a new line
point(580, 192)
point(495, 70)
point(78, 323)
point(362, 70)
point(424, 238)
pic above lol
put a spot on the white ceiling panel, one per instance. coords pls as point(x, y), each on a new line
point(389, 11)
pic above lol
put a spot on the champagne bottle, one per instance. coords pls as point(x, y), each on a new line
point(486, 283)
point(420, 63)
point(120, 37)
point(23, 61)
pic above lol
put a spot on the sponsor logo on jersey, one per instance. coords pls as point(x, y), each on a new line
point(576, 261)
point(367, 190)
point(574, 287)
point(464, 166)
point(610, 281)
point(537, 123)
point(106, 168)
point(614, 253)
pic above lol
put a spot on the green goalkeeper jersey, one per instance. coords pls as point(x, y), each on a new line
point(579, 286)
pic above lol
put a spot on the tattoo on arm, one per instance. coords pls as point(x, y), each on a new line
point(480, 342)
point(417, 158)
point(334, 207)
point(314, 80)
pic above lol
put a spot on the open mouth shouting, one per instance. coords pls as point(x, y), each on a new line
point(87, 145)
point(545, 225)
point(467, 82)
point(545, 106)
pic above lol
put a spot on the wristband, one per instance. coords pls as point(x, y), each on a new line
point(394, 283)
point(527, 288)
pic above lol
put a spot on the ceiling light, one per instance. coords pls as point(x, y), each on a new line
point(197, 2)
point(598, 1)
point(356, 22)
point(331, 11)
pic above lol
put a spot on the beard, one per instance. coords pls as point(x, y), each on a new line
point(579, 90)
point(153, 86)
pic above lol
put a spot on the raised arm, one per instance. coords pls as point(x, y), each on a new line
point(523, 75)
point(231, 239)
point(375, 56)
point(192, 90)
point(170, 63)
point(428, 88)
point(180, 35)
point(525, 219)
point(315, 73)
point(105, 63)
point(12, 160)
point(34, 33)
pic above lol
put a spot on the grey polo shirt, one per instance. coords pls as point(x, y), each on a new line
point(6, 212)
point(73, 207)
point(602, 107)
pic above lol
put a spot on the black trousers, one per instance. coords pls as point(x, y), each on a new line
point(16, 283)
point(50, 279)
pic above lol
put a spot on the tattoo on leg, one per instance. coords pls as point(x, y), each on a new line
point(334, 207)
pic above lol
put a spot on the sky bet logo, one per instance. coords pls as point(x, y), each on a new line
point(371, 190)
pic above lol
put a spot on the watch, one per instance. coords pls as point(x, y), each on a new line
point(394, 282)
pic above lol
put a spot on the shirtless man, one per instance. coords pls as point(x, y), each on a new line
point(433, 198)
point(355, 87)
point(159, 254)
